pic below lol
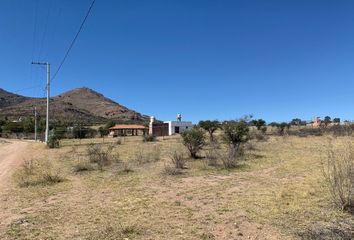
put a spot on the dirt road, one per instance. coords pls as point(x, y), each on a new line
point(12, 154)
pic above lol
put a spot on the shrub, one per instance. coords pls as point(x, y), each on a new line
point(101, 156)
point(304, 132)
point(339, 174)
point(126, 167)
point(178, 160)
point(260, 123)
point(142, 156)
point(149, 138)
point(212, 155)
point(236, 133)
point(83, 167)
point(53, 142)
point(194, 140)
point(232, 157)
point(171, 170)
point(35, 172)
point(119, 141)
point(259, 136)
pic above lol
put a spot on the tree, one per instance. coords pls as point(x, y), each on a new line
point(110, 124)
point(327, 120)
point(336, 120)
point(281, 127)
point(210, 127)
point(273, 124)
point(259, 123)
point(296, 122)
point(28, 125)
point(194, 140)
point(103, 131)
point(236, 132)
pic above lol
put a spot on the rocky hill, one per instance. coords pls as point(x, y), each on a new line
point(81, 104)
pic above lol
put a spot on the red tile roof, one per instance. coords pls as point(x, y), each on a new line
point(127, 126)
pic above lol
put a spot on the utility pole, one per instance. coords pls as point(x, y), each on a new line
point(48, 96)
point(35, 124)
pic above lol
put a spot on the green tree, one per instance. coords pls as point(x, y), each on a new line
point(327, 120)
point(236, 132)
point(28, 125)
point(259, 123)
point(336, 120)
point(210, 127)
point(296, 122)
point(194, 140)
point(281, 127)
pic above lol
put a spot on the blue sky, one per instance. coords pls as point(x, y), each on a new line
point(206, 59)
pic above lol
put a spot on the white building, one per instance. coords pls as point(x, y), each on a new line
point(169, 127)
point(178, 127)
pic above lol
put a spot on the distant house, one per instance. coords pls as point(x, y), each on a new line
point(316, 122)
point(169, 127)
point(127, 129)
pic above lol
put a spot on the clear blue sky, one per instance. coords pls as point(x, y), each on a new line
point(206, 59)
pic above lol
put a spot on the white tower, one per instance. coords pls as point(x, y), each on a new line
point(152, 120)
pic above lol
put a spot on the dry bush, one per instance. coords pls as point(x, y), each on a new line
point(232, 157)
point(171, 170)
point(149, 138)
point(328, 231)
point(36, 172)
point(119, 141)
point(339, 174)
point(143, 155)
point(102, 156)
point(83, 166)
point(305, 132)
point(178, 160)
point(258, 135)
point(126, 167)
point(212, 155)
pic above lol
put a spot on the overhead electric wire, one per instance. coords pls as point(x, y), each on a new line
point(73, 41)
point(34, 40)
point(45, 29)
point(27, 88)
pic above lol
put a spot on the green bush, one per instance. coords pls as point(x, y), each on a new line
point(236, 133)
point(53, 142)
point(194, 140)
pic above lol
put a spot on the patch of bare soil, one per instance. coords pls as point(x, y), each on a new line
point(11, 156)
point(221, 220)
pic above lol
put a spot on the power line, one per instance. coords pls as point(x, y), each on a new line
point(73, 41)
point(45, 29)
point(27, 88)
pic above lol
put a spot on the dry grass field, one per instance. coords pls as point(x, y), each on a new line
point(277, 192)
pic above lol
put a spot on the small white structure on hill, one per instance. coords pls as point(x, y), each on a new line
point(178, 126)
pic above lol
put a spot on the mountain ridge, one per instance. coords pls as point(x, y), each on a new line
point(79, 104)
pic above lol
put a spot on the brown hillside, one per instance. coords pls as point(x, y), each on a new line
point(8, 99)
point(81, 104)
